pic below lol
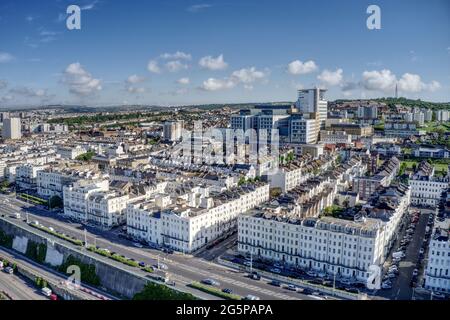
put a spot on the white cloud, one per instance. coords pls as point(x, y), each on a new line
point(153, 66)
point(297, 67)
point(29, 92)
point(212, 63)
point(414, 84)
point(5, 57)
point(132, 89)
point(434, 86)
point(184, 81)
point(247, 75)
point(80, 81)
point(175, 66)
point(383, 80)
point(213, 84)
point(331, 78)
point(133, 79)
point(198, 7)
point(89, 6)
point(179, 55)
point(3, 84)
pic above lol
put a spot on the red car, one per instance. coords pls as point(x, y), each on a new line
point(53, 297)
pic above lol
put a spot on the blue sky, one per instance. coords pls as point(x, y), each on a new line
point(183, 52)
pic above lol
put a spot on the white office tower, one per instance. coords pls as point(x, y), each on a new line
point(12, 128)
point(368, 112)
point(428, 115)
point(442, 115)
point(173, 130)
point(302, 130)
point(312, 101)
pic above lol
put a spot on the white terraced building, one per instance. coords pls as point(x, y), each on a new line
point(325, 245)
point(426, 188)
point(437, 274)
point(329, 245)
point(188, 225)
point(76, 195)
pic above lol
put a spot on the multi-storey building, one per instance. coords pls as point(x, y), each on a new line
point(426, 188)
point(26, 176)
point(437, 273)
point(367, 186)
point(189, 223)
point(12, 128)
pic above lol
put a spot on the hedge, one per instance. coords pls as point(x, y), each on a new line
point(214, 291)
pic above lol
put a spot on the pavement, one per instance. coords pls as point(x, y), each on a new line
point(183, 269)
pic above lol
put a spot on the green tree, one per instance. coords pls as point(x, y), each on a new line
point(56, 202)
point(154, 291)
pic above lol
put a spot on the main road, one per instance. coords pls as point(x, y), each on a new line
point(183, 269)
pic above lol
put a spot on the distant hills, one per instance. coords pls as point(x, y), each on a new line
point(405, 102)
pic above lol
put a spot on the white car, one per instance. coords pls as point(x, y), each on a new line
point(137, 245)
point(251, 297)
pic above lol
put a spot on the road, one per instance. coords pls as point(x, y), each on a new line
point(401, 289)
point(183, 269)
point(19, 288)
point(46, 273)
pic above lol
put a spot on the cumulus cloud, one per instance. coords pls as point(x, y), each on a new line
point(212, 63)
point(175, 66)
point(183, 81)
point(414, 84)
point(80, 81)
point(5, 57)
point(153, 66)
point(179, 55)
point(29, 92)
point(133, 79)
point(298, 67)
point(247, 75)
point(383, 80)
point(3, 84)
point(213, 84)
point(331, 78)
point(133, 90)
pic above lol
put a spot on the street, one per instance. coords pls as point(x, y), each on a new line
point(18, 288)
point(183, 269)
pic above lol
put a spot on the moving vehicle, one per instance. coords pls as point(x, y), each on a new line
point(211, 282)
point(46, 292)
point(9, 270)
point(275, 270)
point(291, 287)
point(254, 276)
point(137, 245)
point(275, 283)
point(251, 297)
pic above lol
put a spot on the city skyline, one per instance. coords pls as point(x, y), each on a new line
point(194, 52)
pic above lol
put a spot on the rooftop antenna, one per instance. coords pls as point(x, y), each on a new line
point(396, 91)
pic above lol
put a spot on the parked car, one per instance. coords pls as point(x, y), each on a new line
point(226, 290)
point(142, 264)
point(311, 273)
point(275, 270)
point(46, 292)
point(254, 276)
point(386, 285)
point(251, 297)
point(167, 250)
point(415, 272)
point(421, 250)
